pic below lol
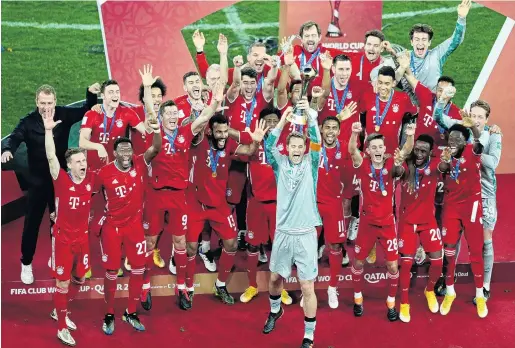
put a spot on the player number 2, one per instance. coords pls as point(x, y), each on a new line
point(392, 244)
point(435, 235)
point(440, 187)
point(230, 218)
point(142, 247)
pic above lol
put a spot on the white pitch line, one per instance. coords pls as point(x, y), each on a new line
point(489, 65)
point(235, 23)
point(232, 19)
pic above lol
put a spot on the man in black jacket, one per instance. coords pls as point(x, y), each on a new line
point(31, 131)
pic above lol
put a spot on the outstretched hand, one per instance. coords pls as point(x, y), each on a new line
point(146, 76)
point(466, 119)
point(348, 111)
point(259, 132)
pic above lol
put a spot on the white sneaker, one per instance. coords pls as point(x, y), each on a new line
point(205, 246)
point(65, 337)
point(171, 266)
point(210, 265)
point(263, 258)
point(321, 251)
point(26, 276)
point(345, 260)
point(71, 325)
point(332, 296)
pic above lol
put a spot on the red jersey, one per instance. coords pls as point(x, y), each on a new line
point(352, 93)
point(418, 207)
point(184, 106)
point(139, 141)
point(261, 176)
point(242, 114)
point(123, 190)
point(105, 130)
point(72, 206)
point(211, 172)
point(303, 57)
point(425, 122)
point(463, 183)
point(170, 168)
point(330, 175)
point(361, 66)
point(389, 126)
point(374, 205)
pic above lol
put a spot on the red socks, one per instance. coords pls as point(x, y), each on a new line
point(405, 278)
point(252, 261)
point(110, 290)
point(181, 259)
point(135, 285)
point(61, 302)
point(435, 270)
point(190, 271)
point(335, 266)
point(393, 282)
point(357, 277)
point(226, 263)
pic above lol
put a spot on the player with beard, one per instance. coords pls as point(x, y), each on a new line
point(463, 207)
point(386, 110)
point(295, 240)
point(207, 203)
point(123, 182)
point(332, 175)
point(491, 140)
point(377, 177)
point(261, 207)
point(427, 64)
point(70, 246)
point(417, 220)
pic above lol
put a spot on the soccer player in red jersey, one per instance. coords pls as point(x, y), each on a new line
point(207, 198)
point(417, 219)
point(190, 104)
point(385, 111)
point(463, 205)
point(70, 246)
point(123, 182)
point(261, 207)
point(331, 175)
point(167, 192)
point(377, 173)
point(339, 92)
point(365, 61)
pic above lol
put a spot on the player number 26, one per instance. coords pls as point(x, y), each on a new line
point(392, 244)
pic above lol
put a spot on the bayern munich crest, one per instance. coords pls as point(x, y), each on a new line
point(338, 155)
point(385, 171)
point(280, 147)
point(357, 249)
point(427, 171)
point(145, 225)
point(250, 234)
point(119, 123)
point(395, 108)
point(132, 173)
point(401, 243)
point(60, 270)
point(104, 258)
point(88, 187)
point(222, 154)
point(349, 95)
point(180, 139)
point(228, 192)
point(444, 232)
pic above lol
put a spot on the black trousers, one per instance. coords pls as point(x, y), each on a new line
point(38, 198)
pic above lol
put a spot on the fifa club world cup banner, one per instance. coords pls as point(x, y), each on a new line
point(343, 23)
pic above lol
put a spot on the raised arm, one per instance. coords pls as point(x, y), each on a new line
point(268, 84)
point(199, 41)
point(157, 140)
point(443, 120)
point(353, 145)
point(445, 49)
point(234, 88)
point(223, 47)
point(271, 150)
point(401, 155)
point(218, 95)
point(257, 137)
point(51, 156)
point(467, 121)
point(282, 86)
point(74, 115)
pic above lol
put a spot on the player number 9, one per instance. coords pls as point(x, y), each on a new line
point(184, 220)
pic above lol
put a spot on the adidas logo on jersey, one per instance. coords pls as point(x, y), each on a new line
point(72, 188)
point(115, 181)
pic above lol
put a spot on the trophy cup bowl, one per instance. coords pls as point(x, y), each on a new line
point(299, 117)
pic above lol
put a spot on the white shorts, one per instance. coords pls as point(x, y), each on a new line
point(489, 213)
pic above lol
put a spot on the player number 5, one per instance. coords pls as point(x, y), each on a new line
point(142, 247)
point(392, 244)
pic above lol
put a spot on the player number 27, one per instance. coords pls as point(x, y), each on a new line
point(392, 244)
point(142, 247)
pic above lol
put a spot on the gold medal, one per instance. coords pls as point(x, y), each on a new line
point(378, 128)
point(384, 193)
point(213, 174)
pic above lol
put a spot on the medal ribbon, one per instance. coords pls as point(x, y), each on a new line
point(455, 171)
point(374, 176)
point(196, 112)
point(105, 121)
point(250, 113)
point(213, 159)
point(339, 104)
point(325, 157)
point(171, 139)
point(417, 178)
point(380, 119)
point(303, 63)
point(260, 83)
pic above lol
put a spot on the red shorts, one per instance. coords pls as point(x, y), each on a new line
point(350, 185)
point(368, 234)
point(260, 221)
point(97, 214)
point(220, 219)
point(429, 237)
point(467, 215)
point(236, 182)
point(68, 258)
point(333, 222)
point(158, 202)
point(131, 236)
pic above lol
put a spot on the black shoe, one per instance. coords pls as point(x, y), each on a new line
point(223, 294)
point(358, 309)
point(146, 299)
point(183, 299)
point(108, 326)
point(306, 343)
point(190, 296)
point(440, 289)
point(392, 314)
point(270, 321)
point(133, 320)
point(486, 294)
